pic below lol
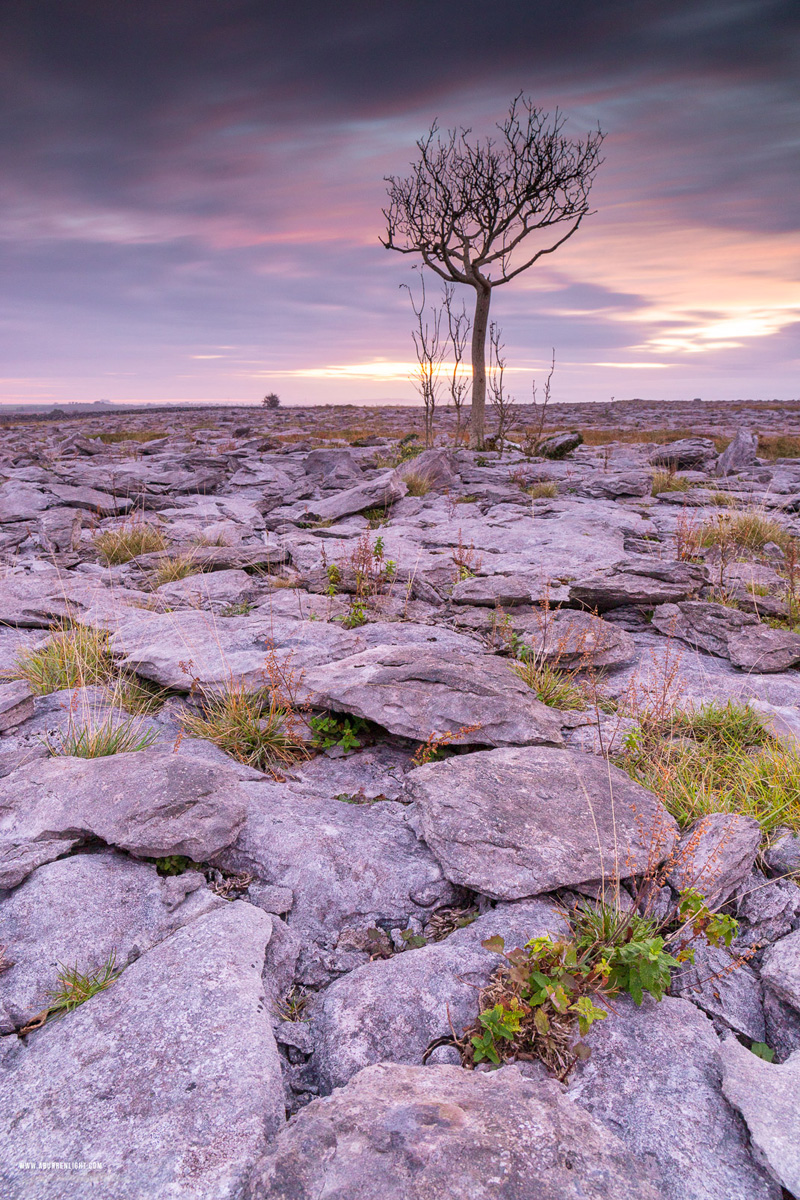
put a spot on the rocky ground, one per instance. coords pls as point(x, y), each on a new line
point(292, 921)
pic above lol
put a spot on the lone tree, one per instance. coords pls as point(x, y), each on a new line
point(271, 400)
point(473, 210)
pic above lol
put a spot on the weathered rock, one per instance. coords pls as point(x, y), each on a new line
point(210, 590)
point(424, 1133)
point(348, 865)
point(701, 624)
point(780, 968)
point(59, 528)
point(16, 704)
point(392, 1009)
point(494, 591)
point(716, 855)
point(170, 1080)
point(334, 467)
point(783, 722)
point(783, 856)
point(654, 1078)
point(90, 498)
point(560, 444)
point(782, 1025)
point(723, 987)
point(146, 802)
point(418, 692)
point(20, 502)
point(640, 580)
point(766, 910)
point(687, 454)
point(438, 468)
point(571, 639)
point(79, 911)
point(766, 1094)
point(740, 455)
point(764, 650)
point(516, 822)
point(374, 493)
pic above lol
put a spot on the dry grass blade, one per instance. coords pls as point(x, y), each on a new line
point(72, 658)
point(117, 546)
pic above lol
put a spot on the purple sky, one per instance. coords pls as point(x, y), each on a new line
point(191, 190)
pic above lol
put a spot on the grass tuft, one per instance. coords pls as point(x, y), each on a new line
point(418, 483)
point(170, 569)
point(542, 491)
point(554, 687)
point(668, 481)
point(257, 727)
point(75, 988)
point(73, 657)
point(129, 435)
point(117, 546)
point(749, 529)
point(111, 736)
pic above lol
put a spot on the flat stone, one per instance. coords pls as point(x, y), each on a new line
point(517, 822)
point(494, 591)
point(211, 589)
point(724, 987)
point(654, 1079)
point(391, 1010)
point(763, 649)
point(642, 579)
point(81, 909)
point(419, 692)
point(686, 454)
point(573, 639)
point(425, 1133)
point(767, 1094)
point(170, 1079)
point(147, 802)
point(90, 498)
point(715, 856)
point(780, 968)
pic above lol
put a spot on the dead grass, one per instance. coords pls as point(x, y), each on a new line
point(74, 657)
point(668, 481)
point(129, 435)
point(170, 569)
point(782, 445)
point(749, 529)
point(603, 437)
point(418, 483)
point(542, 491)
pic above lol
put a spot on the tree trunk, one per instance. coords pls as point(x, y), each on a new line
point(483, 296)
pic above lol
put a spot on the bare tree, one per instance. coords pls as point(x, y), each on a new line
point(470, 207)
point(458, 327)
point(499, 398)
point(533, 437)
point(430, 352)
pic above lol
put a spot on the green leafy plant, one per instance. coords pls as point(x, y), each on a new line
point(355, 616)
point(762, 1050)
point(75, 987)
point(174, 864)
point(339, 729)
point(242, 609)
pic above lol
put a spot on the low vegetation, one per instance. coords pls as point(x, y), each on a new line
point(110, 736)
point(418, 483)
point(717, 758)
point(75, 988)
point(129, 435)
point(549, 990)
point(118, 546)
point(174, 567)
point(555, 687)
point(669, 481)
point(542, 491)
point(74, 657)
point(749, 529)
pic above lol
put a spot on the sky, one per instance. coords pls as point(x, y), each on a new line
point(191, 195)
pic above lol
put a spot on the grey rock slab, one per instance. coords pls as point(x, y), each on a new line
point(391, 1010)
point(768, 1097)
point(780, 968)
point(211, 589)
point(517, 822)
point(147, 802)
point(782, 1023)
point(559, 445)
point(740, 455)
point(418, 692)
point(59, 528)
point(374, 493)
point(715, 855)
point(173, 649)
point(571, 638)
point(495, 591)
point(642, 579)
point(16, 704)
point(439, 468)
point(77, 911)
point(764, 650)
point(20, 502)
point(783, 856)
point(425, 1133)
point(702, 624)
point(724, 987)
point(685, 454)
point(766, 910)
point(170, 1079)
point(90, 498)
point(334, 467)
point(654, 1079)
point(783, 722)
point(348, 865)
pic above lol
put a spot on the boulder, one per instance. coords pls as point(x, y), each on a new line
point(147, 802)
point(740, 454)
point(333, 467)
point(780, 969)
point(438, 468)
point(517, 822)
point(166, 1084)
point(425, 1133)
point(494, 591)
point(724, 987)
point(783, 855)
point(570, 638)
point(212, 590)
point(90, 499)
point(559, 445)
point(81, 909)
point(687, 454)
point(423, 691)
point(59, 528)
point(715, 855)
point(702, 625)
point(764, 650)
point(654, 1078)
point(374, 493)
point(640, 579)
point(766, 1095)
point(391, 1010)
